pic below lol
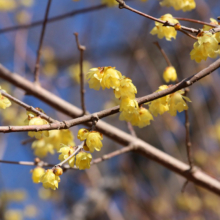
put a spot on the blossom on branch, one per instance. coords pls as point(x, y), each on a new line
point(65, 153)
point(165, 31)
point(50, 180)
point(170, 74)
point(83, 160)
point(37, 173)
point(206, 46)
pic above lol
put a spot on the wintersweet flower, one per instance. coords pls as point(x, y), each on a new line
point(74, 70)
point(42, 148)
point(7, 5)
point(207, 28)
point(82, 134)
point(83, 160)
point(93, 141)
point(111, 78)
point(37, 174)
point(94, 77)
point(165, 31)
point(38, 121)
point(110, 3)
point(65, 153)
point(169, 74)
point(126, 89)
point(176, 102)
point(159, 106)
point(4, 102)
point(50, 180)
point(141, 117)
point(58, 171)
point(128, 105)
point(185, 5)
point(206, 46)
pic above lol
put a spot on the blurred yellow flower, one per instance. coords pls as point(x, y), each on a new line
point(74, 70)
point(170, 74)
point(207, 28)
point(50, 69)
point(165, 31)
point(44, 194)
point(37, 174)
point(13, 214)
point(185, 5)
point(30, 211)
point(23, 17)
point(110, 3)
point(7, 5)
point(27, 3)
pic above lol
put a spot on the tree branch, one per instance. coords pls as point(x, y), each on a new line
point(196, 176)
point(37, 65)
point(81, 49)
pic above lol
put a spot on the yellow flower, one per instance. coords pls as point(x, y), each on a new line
point(159, 106)
point(47, 144)
point(142, 118)
point(13, 214)
point(94, 77)
point(38, 121)
point(176, 102)
point(42, 148)
point(169, 74)
point(50, 69)
point(126, 89)
point(74, 70)
point(110, 3)
point(165, 31)
point(50, 180)
point(83, 160)
point(185, 5)
point(207, 28)
point(37, 174)
point(27, 3)
point(65, 153)
point(7, 5)
point(82, 134)
point(4, 102)
point(111, 78)
point(206, 46)
point(93, 141)
point(128, 105)
point(23, 17)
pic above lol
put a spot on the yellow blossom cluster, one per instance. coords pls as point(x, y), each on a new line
point(165, 31)
point(171, 103)
point(124, 89)
point(206, 46)
point(185, 5)
point(33, 119)
point(48, 178)
point(48, 144)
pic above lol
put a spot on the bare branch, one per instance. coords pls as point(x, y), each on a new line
point(37, 65)
point(81, 49)
point(26, 106)
point(195, 21)
point(121, 137)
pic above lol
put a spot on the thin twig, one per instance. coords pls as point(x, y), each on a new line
point(163, 53)
point(37, 65)
point(27, 107)
point(195, 21)
point(29, 140)
point(188, 142)
point(53, 19)
point(81, 49)
point(131, 129)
